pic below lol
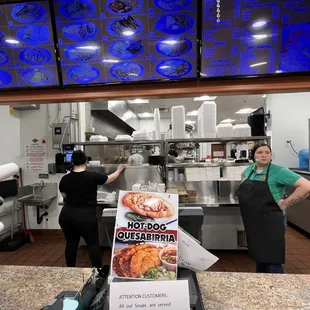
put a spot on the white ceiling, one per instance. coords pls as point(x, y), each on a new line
point(227, 106)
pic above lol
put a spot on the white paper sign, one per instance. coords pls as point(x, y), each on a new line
point(192, 255)
point(36, 154)
point(163, 295)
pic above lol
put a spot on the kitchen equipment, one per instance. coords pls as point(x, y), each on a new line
point(242, 130)
point(225, 130)
point(157, 124)
point(178, 122)
point(207, 120)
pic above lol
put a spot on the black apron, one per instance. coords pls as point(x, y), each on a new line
point(263, 221)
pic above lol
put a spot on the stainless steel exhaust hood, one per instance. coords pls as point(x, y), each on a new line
point(116, 112)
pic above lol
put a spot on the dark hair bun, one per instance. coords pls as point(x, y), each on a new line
point(255, 148)
point(79, 158)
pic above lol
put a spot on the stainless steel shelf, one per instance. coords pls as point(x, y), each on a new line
point(213, 203)
point(232, 139)
point(197, 165)
point(118, 143)
point(207, 203)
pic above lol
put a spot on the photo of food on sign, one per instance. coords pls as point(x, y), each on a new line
point(146, 234)
point(147, 207)
point(149, 261)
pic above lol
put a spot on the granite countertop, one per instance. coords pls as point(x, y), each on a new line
point(249, 291)
point(26, 288)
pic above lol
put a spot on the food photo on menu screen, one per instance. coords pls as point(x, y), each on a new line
point(146, 236)
point(126, 40)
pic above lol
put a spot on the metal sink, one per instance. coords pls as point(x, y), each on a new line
point(39, 193)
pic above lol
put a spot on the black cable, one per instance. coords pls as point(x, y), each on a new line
point(291, 145)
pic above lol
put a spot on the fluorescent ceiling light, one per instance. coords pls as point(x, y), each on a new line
point(11, 41)
point(170, 42)
point(259, 23)
point(190, 122)
point(192, 113)
point(205, 98)
point(164, 67)
point(245, 111)
point(227, 120)
point(88, 47)
point(279, 71)
point(139, 101)
point(110, 60)
point(260, 36)
point(146, 115)
point(264, 96)
point(259, 64)
point(128, 33)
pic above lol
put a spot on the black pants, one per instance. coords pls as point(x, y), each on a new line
point(76, 223)
point(269, 268)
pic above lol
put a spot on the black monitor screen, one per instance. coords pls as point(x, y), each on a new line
point(126, 40)
point(255, 37)
point(27, 52)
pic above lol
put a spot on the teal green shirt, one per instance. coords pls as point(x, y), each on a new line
point(279, 177)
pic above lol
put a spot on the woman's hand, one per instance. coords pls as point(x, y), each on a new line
point(282, 204)
point(120, 168)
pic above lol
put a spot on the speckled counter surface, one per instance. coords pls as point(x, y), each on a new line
point(247, 291)
point(31, 288)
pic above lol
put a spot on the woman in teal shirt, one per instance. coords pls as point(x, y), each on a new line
point(262, 205)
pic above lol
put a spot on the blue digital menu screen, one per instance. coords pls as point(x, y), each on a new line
point(254, 37)
point(27, 53)
point(126, 40)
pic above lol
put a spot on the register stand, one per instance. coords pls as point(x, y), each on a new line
point(152, 258)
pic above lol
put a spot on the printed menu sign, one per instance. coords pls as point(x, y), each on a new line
point(146, 236)
point(36, 154)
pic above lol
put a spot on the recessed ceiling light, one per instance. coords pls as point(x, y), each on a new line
point(110, 60)
point(245, 111)
point(139, 101)
point(227, 120)
point(146, 115)
point(192, 113)
point(205, 98)
point(128, 33)
point(260, 36)
point(259, 23)
point(259, 64)
point(11, 41)
point(279, 71)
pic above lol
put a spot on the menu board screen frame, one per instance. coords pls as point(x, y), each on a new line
point(211, 33)
point(28, 58)
point(117, 66)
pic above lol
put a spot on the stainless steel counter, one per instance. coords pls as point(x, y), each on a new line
point(299, 214)
point(302, 172)
point(204, 203)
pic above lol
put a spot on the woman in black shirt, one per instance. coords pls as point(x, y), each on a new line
point(78, 216)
